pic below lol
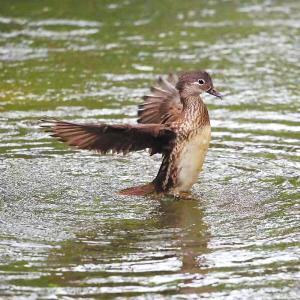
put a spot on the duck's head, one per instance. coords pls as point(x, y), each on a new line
point(196, 82)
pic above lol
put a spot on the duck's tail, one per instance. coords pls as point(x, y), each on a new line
point(141, 190)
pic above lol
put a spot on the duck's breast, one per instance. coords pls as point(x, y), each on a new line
point(192, 157)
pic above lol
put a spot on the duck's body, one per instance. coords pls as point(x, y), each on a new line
point(173, 121)
point(191, 156)
point(181, 166)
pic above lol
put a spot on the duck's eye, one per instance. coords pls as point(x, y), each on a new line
point(201, 81)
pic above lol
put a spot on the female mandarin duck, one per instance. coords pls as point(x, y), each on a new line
point(173, 121)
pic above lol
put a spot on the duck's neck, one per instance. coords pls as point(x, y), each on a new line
point(195, 110)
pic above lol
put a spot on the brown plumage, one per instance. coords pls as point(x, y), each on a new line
point(163, 105)
point(122, 138)
point(174, 121)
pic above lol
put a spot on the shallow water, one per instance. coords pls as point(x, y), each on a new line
point(65, 233)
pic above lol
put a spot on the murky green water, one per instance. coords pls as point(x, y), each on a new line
point(65, 233)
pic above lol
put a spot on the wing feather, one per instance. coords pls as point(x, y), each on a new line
point(163, 105)
point(117, 138)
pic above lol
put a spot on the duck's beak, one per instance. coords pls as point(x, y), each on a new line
point(214, 92)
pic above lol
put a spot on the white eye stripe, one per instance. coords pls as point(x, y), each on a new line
point(199, 82)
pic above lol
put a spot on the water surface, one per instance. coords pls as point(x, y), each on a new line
point(66, 233)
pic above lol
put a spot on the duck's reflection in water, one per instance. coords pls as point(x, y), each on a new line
point(191, 233)
point(162, 245)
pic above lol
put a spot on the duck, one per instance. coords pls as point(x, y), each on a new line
point(172, 121)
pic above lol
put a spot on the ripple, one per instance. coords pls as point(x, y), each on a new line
point(21, 52)
point(64, 229)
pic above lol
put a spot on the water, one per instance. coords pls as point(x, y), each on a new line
point(64, 231)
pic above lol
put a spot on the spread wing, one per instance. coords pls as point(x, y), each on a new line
point(116, 138)
point(163, 105)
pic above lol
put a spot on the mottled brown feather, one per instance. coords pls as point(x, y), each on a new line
point(163, 105)
point(116, 138)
